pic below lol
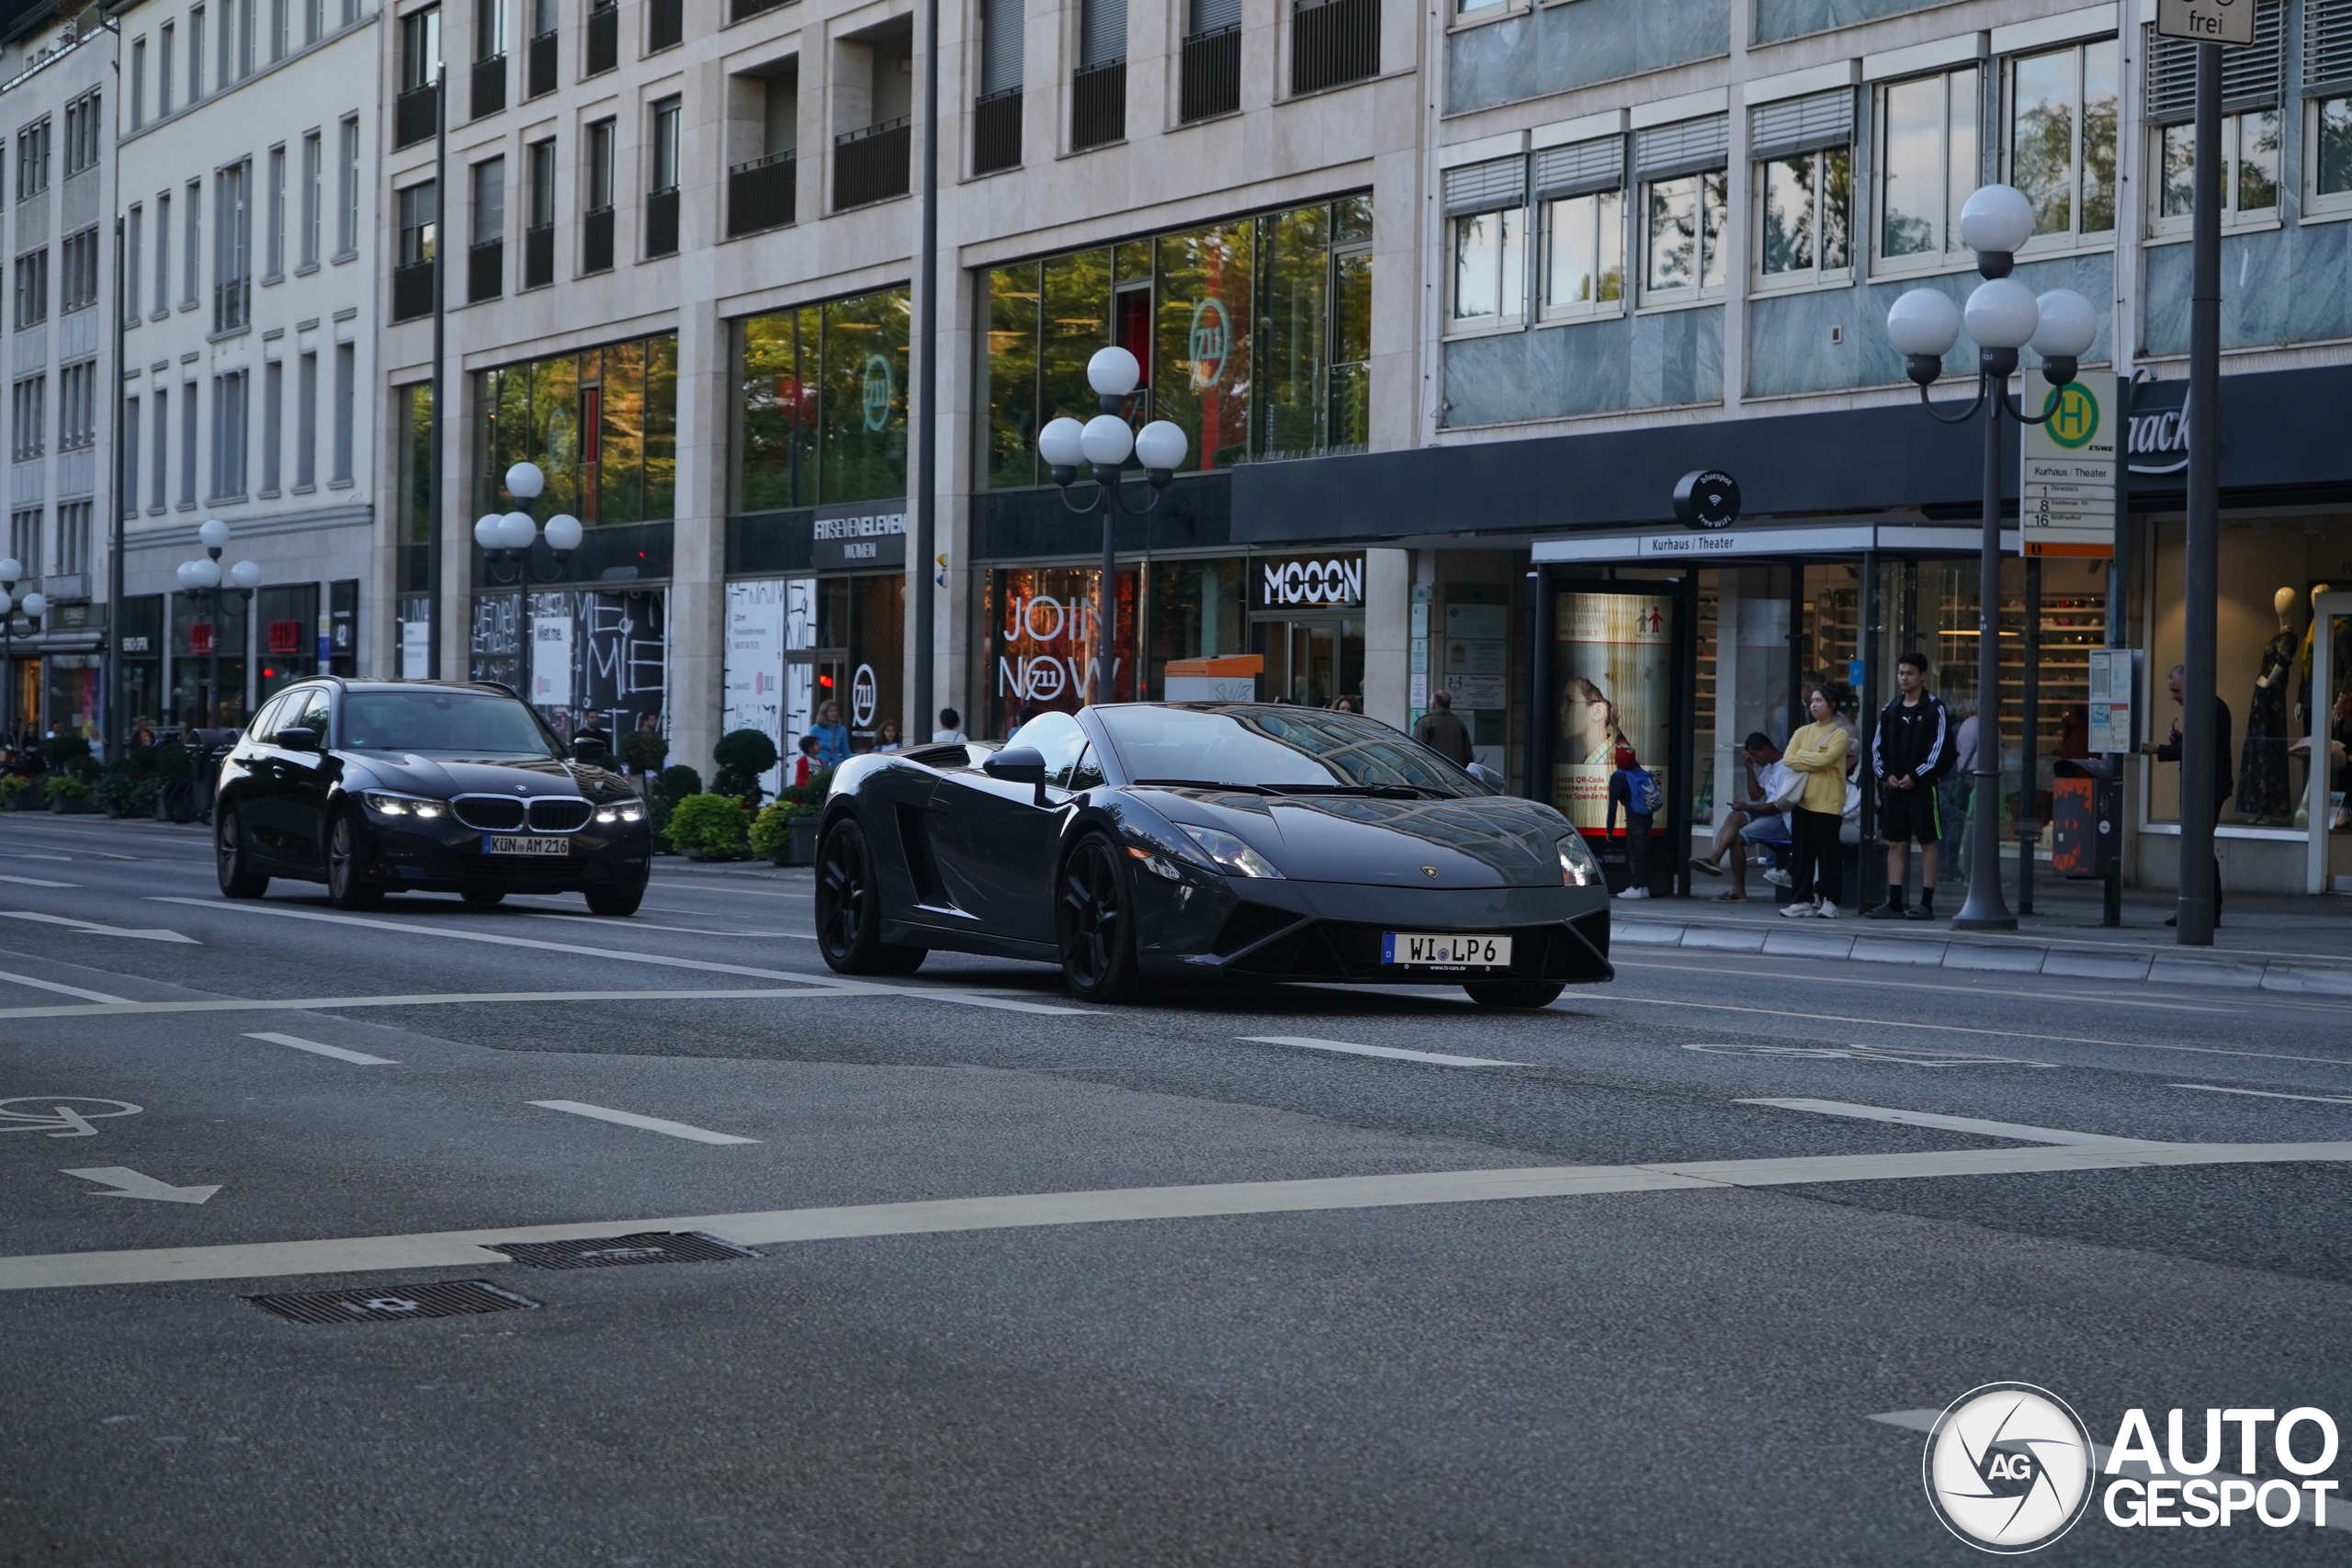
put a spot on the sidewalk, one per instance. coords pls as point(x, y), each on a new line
point(2269, 943)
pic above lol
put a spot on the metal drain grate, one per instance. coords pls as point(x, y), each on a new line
point(618, 1251)
point(393, 1303)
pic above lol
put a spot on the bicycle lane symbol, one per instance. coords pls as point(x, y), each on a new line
point(60, 1116)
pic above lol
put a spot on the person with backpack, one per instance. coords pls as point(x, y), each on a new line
point(1910, 754)
point(1635, 788)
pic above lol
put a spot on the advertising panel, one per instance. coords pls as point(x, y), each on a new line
point(1615, 655)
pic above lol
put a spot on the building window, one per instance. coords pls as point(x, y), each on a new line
point(281, 28)
point(275, 266)
point(192, 247)
point(1929, 162)
point(418, 223)
point(2251, 131)
point(32, 159)
point(346, 397)
point(313, 176)
point(78, 271)
point(134, 233)
point(27, 419)
point(163, 254)
point(82, 129)
point(2327, 92)
point(1803, 157)
point(2060, 147)
point(314, 20)
point(74, 537)
point(306, 425)
point(1581, 196)
point(273, 426)
point(600, 165)
point(196, 55)
point(669, 118)
point(23, 539)
point(130, 492)
point(233, 268)
point(245, 39)
point(188, 444)
point(32, 288)
point(611, 453)
point(347, 231)
point(1486, 211)
point(486, 256)
point(138, 83)
point(1685, 196)
point(157, 487)
point(78, 406)
point(228, 436)
point(164, 38)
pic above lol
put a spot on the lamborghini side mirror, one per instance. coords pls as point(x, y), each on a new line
point(1019, 764)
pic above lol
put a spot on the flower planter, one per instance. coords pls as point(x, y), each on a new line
point(27, 800)
point(72, 805)
point(801, 848)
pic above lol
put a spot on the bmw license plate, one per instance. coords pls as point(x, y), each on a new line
point(1437, 950)
point(516, 844)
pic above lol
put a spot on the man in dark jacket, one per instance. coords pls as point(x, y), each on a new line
point(2170, 752)
point(1912, 749)
point(1441, 731)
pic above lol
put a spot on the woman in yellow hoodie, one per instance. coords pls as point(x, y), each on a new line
point(1818, 751)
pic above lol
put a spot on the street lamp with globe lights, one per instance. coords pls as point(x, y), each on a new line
point(506, 539)
point(201, 580)
point(1106, 441)
point(33, 607)
point(2001, 317)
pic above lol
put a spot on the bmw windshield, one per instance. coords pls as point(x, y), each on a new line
point(471, 726)
point(1279, 751)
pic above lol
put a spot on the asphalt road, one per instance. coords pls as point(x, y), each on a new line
point(935, 1358)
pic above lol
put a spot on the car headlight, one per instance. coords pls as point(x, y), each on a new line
point(1578, 868)
point(630, 811)
point(1232, 856)
point(383, 803)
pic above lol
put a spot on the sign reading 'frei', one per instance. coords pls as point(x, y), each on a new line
point(2206, 22)
point(2069, 489)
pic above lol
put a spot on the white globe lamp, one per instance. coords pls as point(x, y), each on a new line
point(1107, 440)
point(1997, 221)
point(1113, 372)
point(564, 532)
point(524, 482)
point(1160, 446)
point(1060, 443)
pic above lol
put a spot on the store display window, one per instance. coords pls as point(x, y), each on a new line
point(1040, 638)
point(823, 403)
point(602, 424)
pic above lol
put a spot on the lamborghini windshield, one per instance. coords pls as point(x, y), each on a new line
point(1282, 750)
point(471, 725)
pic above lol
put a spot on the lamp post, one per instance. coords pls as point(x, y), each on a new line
point(506, 541)
point(201, 580)
point(1106, 441)
point(2002, 316)
point(34, 606)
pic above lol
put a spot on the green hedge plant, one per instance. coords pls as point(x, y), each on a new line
point(716, 826)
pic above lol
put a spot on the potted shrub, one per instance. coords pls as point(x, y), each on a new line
point(119, 793)
point(742, 755)
point(709, 827)
point(643, 753)
point(66, 795)
point(17, 792)
point(673, 786)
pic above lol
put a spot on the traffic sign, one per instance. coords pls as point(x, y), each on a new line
point(2070, 457)
point(2206, 22)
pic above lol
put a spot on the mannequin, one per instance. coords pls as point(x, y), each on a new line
point(2263, 790)
point(2304, 712)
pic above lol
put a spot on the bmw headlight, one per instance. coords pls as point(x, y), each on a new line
point(384, 803)
point(628, 811)
point(1232, 856)
point(1578, 868)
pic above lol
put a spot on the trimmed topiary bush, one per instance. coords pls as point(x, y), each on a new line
point(642, 752)
point(742, 755)
point(677, 783)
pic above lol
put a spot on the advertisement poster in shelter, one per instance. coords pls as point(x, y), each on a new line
point(1615, 655)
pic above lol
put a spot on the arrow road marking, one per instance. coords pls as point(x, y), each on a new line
point(1307, 1043)
point(91, 928)
point(358, 1058)
point(648, 1123)
point(129, 1183)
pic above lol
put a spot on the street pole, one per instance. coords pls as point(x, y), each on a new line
point(923, 545)
point(434, 467)
point(2030, 747)
point(212, 676)
point(1106, 608)
point(2199, 740)
point(115, 731)
point(1985, 910)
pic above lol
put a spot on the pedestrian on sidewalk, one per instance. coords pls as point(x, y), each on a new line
point(1818, 751)
point(1752, 818)
point(1635, 788)
point(1442, 732)
point(1910, 753)
point(2170, 752)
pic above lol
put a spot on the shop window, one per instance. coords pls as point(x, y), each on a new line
point(2059, 144)
point(1206, 348)
point(1195, 609)
point(2327, 114)
point(823, 406)
point(1804, 189)
point(1580, 192)
point(415, 403)
point(601, 424)
point(1039, 640)
point(1929, 162)
point(2251, 81)
point(1351, 389)
point(1485, 213)
point(288, 618)
point(1685, 210)
point(1010, 460)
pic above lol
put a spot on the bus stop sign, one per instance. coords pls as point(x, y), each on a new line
point(2206, 22)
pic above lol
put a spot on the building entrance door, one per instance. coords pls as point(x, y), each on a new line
point(1313, 661)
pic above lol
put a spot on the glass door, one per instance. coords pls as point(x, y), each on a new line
point(2327, 773)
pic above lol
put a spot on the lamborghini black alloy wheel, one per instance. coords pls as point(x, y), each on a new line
point(849, 908)
point(1095, 920)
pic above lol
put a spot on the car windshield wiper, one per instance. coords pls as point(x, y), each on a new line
point(1202, 783)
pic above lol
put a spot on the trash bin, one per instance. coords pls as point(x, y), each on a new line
point(204, 759)
point(2085, 812)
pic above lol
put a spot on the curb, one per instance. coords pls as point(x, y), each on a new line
point(2309, 975)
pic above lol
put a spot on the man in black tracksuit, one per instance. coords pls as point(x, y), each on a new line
point(1912, 749)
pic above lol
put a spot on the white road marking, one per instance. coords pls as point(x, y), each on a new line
point(38, 882)
point(1839, 978)
point(1880, 1054)
point(829, 982)
point(1309, 1043)
point(92, 927)
point(2265, 1093)
point(1950, 1124)
point(20, 854)
point(649, 926)
point(129, 1183)
point(358, 1058)
point(468, 1248)
point(63, 990)
point(648, 1123)
point(119, 1009)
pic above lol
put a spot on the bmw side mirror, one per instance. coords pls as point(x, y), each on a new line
point(1019, 764)
point(589, 749)
point(299, 738)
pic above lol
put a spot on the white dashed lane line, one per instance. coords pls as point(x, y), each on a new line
point(1307, 1043)
point(644, 1124)
point(2265, 1093)
point(357, 1058)
point(2015, 1129)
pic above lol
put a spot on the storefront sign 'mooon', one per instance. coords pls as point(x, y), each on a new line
point(1334, 584)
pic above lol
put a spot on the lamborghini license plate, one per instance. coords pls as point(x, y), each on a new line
point(1425, 950)
point(513, 844)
